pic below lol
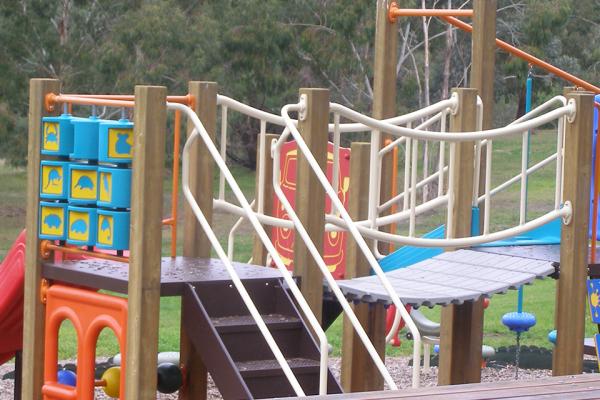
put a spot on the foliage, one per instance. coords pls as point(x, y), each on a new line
point(262, 51)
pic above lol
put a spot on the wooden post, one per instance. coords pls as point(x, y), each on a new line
point(366, 377)
point(483, 61)
point(384, 92)
point(310, 196)
point(462, 325)
point(359, 373)
point(149, 132)
point(571, 288)
point(259, 252)
point(195, 242)
point(33, 309)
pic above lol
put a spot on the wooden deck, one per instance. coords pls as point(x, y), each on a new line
point(563, 387)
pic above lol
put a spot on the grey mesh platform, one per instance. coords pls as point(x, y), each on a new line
point(451, 278)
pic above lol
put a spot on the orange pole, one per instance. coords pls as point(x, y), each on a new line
point(104, 100)
point(52, 99)
point(528, 57)
point(596, 182)
point(395, 11)
point(186, 99)
point(394, 186)
point(175, 188)
point(47, 246)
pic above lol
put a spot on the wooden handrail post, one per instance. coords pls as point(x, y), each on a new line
point(310, 195)
point(571, 287)
point(359, 373)
point(462, 325)
point(149, 132)
point(259, 252)
point(195, 241)
point(33, 309)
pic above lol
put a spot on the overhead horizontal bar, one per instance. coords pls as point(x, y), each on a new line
point(395, 11)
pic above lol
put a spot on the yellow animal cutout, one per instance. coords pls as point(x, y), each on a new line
point(83, 184)
point(51, 136)
point(79, 225)
point(105, 187)
point(105, 230)
point(52, 179)
point(120, 143)
point(52, 221)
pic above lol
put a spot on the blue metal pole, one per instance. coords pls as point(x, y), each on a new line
point(528, 96)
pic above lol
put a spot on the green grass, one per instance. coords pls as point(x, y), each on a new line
point(539, 298)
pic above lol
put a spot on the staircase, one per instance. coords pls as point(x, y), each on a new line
point(235, 353)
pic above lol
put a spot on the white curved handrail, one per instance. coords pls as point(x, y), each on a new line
point(275, 119)
point(200, 131)
point(383, 126)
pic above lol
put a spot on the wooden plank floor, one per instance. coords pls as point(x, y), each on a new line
point(563, 387)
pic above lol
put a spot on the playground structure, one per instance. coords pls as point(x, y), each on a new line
point(230, 305)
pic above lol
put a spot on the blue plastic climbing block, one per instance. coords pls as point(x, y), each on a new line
point(85, 138)
point(116, 142)
point(66, 377)
point(54, 182)
point(82, 224)
point(518, 321)
point(83, 184)
point(113, 230)
point(114, 187)
point(593, 289)
point(53, 220)
point(552, 336)
point(57, 135)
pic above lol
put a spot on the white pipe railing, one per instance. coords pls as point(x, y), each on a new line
point(369, 227)
point(200, 131)
point(337, 204)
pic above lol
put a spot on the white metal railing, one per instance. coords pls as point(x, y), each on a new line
point(338, 219)
point(339, 207)
point(200, 131)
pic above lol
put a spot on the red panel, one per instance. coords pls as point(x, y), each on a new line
point(11, 299)
point(334, 243)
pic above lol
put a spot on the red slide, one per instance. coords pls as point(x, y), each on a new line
point(12, 272)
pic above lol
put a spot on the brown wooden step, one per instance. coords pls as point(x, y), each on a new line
point(245, 323)
point(255, 368)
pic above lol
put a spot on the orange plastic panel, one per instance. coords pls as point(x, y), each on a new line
point(89, 312)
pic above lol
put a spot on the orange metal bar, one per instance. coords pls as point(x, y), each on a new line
point(105, 100)
point(529, 58)
point(394, 186)
point(52, 99)
point(595, 203)
point(395, 11)
point(47, 246)
point(186, 99)
point(175, 188)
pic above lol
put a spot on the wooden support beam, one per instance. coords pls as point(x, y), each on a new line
point(571, 288)
point(384, 95)
point(259, 252)
point(462, 325)
point(310, 195)
point(34, 311)
point(150, 121)
point(359, 373)
point(195, 242)
point(483, 62)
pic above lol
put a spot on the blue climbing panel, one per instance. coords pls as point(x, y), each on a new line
point(593, 288)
